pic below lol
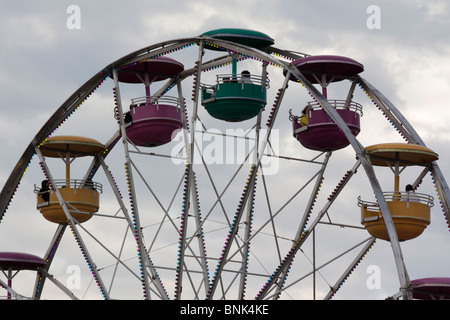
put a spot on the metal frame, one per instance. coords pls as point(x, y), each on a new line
point(151, 282)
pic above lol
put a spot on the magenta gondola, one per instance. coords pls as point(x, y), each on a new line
point(431, 288)
point(151, 124)
point(152, 120)
point(321, 133)
point(20, 261)
point(315, 129)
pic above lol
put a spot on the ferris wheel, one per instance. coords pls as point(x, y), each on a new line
point(225, 174)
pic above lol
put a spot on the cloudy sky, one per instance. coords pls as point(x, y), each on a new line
point(403, 45)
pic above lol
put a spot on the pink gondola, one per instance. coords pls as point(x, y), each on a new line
point(318, 131)
point(321, 133)
point(152, 120)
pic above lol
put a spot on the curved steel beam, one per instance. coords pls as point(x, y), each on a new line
point(362, 156)
point(146, 53)
point(412, 136)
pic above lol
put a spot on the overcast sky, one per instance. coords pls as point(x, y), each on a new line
point(403, 45)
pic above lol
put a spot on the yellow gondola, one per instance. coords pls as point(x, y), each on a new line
point(81, 197)
point(410, 211)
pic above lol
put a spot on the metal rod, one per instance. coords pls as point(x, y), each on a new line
point(137, 232)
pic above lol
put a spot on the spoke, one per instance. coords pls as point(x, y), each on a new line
point(50, 254)
point(189, 177)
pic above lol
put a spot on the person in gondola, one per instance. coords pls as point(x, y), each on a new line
point(410, 194)
point(304, 117)
point(127, 117)
point(245, 77)
point(44, 192)
point(89, 184)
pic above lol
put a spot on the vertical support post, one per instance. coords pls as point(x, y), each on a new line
point(137, 226)
point(67, 161)
point(234, 67)
point(189, 179)
point(200, 238)
point(250, 204)
point(147, 89)
point(397, 179)
point(249, 218)
point(9, 276)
